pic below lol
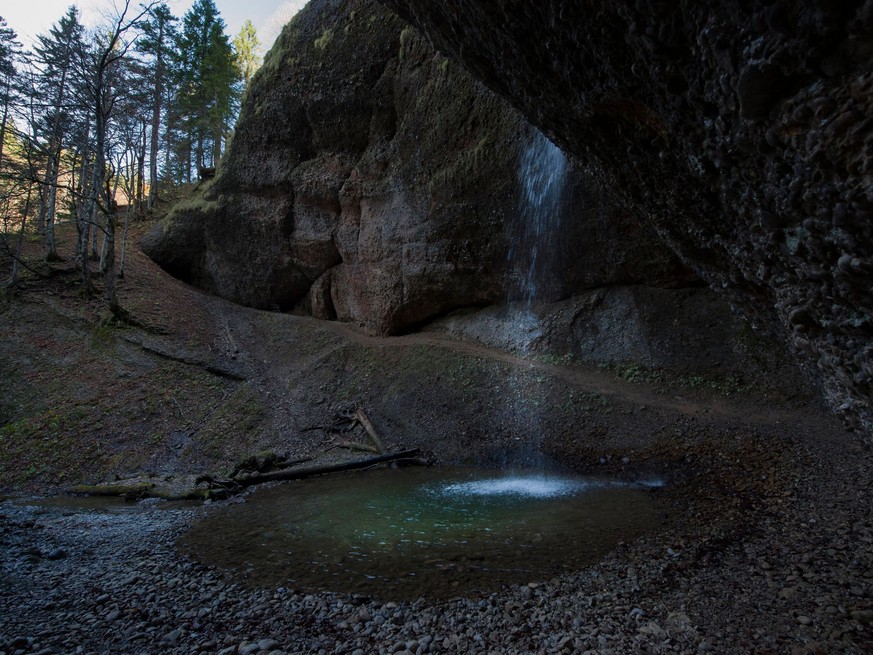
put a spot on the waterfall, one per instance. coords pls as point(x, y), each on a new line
point(535, 242)
point(533, 277)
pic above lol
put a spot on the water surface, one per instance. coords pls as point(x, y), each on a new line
point(401, 534)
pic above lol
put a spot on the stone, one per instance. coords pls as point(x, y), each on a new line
point(268, 644)
point(865, 617)
point(173, 636)
point(653, 629)
point(56, 554)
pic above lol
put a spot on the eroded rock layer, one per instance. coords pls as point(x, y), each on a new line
point(742, 131)
point(372, 180)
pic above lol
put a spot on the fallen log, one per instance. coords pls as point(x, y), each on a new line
point(409, 456)
point(136, 492)
point(139, 490)
point(221, 488)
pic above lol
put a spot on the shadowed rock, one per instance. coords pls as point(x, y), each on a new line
point(740, 131)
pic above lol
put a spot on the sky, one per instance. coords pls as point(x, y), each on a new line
point(31, 17)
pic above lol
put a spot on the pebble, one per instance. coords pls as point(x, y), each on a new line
point(268, 644)
point(173, 636)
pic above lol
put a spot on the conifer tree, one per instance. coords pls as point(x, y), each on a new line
point(247, 47)
point(57, 55)
point(209, 91)
point(10, 51)
point(158, 43)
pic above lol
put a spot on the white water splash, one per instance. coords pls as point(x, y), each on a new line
point(539, 486)
point(526, 486)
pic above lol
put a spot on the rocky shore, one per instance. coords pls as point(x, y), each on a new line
point(735, 570)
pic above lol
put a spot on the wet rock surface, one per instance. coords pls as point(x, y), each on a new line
point(741, 133)
point(765, 551)
point(645, 328)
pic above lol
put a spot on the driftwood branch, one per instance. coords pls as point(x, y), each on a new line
point(371, 431)
point(133, 492)
point(345, 422)
point(410, 456)
point(214, 369)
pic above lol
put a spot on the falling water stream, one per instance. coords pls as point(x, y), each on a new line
point(536, 236)
point(533, 266)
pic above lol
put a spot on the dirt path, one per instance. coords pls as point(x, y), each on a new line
point(588, 378)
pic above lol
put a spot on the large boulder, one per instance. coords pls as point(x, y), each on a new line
point(373, 180)
point(741, 131)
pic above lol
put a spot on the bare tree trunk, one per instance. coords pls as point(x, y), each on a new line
point(52, 174)
point(84, 212)
point(216, 145)
point(156, 126)
point(81, 209)
point(13, 280)
point(111, 294)
point(168, 146)
point(5, 117)
point(124, 243)
point(110, 211)
point(140, 176)
point(96, 226)
point(53, 170)
point(43, 203)
point(200, 162)
point(102, 264)
point(89, 214)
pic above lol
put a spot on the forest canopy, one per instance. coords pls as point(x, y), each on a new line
point(91, 118)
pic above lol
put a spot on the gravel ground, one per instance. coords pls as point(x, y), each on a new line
point(786, 572)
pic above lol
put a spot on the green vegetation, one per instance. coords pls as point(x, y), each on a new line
point(464, 170)
point(324, 40)
point(725, 386)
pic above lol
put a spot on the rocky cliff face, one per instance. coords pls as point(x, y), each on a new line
point(741, 131)
point(372, 180)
